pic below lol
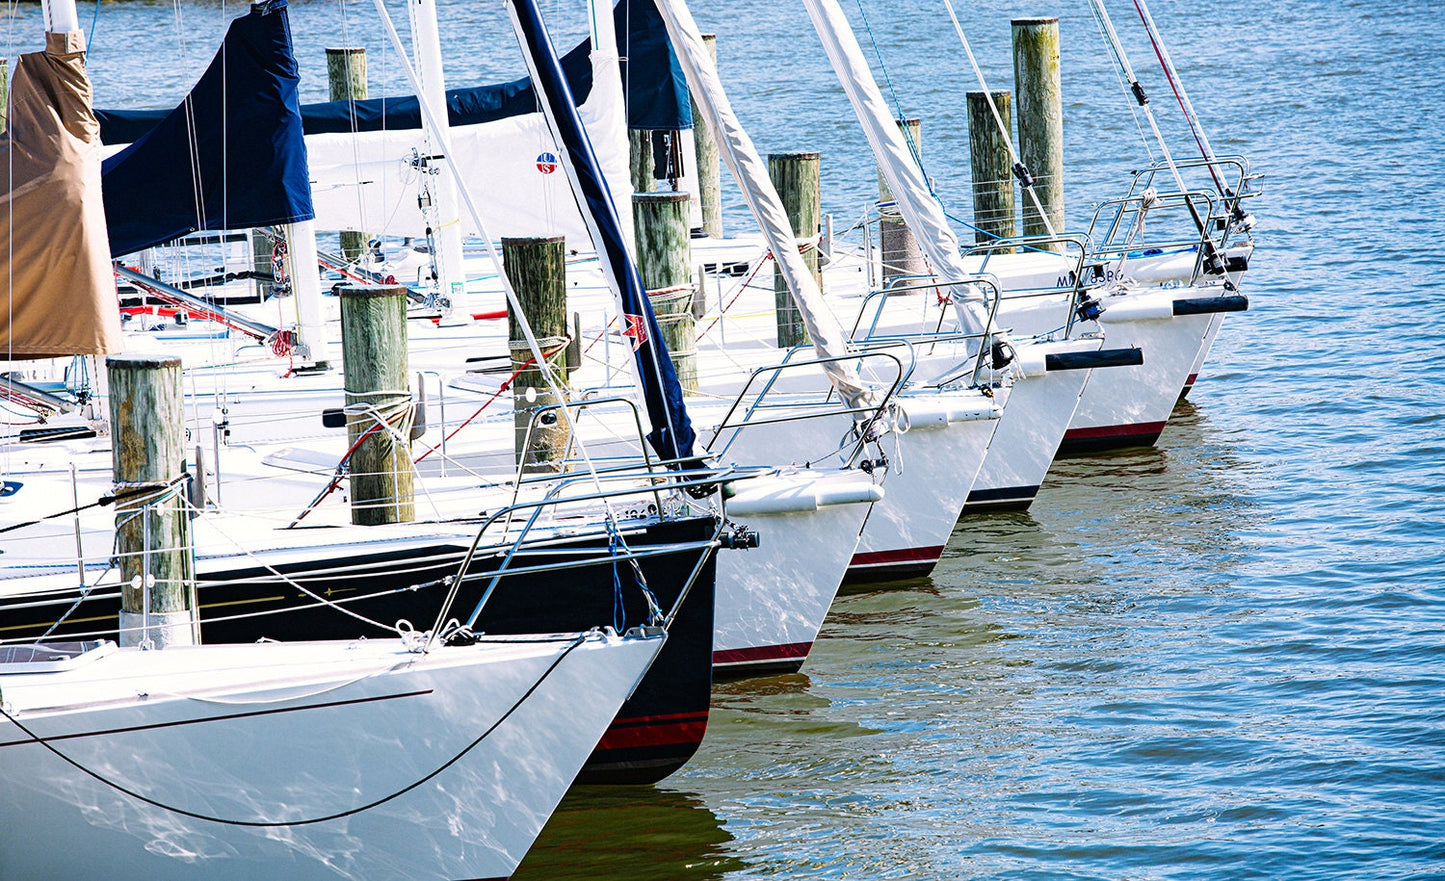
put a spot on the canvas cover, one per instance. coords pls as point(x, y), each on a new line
point(366, 178)
point(362, 155)
point(60, 297)
point(231, 156)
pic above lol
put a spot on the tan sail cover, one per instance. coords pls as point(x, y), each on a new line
point(54, 261)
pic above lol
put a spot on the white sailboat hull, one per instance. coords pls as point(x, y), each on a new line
point(1041, 408)
point(301, 760)
point(1129, 406)
point(772, 600)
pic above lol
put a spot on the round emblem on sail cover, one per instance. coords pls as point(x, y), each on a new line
point(546, 163)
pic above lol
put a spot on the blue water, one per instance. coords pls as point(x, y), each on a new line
point(1220, 658)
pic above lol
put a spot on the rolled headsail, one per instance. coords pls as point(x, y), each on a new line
point(672, 435)
point(751, 173)
point(916, 202)
point(61, 294)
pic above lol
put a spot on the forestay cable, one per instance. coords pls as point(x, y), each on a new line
point(1021, 171)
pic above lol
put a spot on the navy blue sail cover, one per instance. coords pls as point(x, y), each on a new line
point(672, 435)
point(652, 77)
point(231, 156)
point(655, 88)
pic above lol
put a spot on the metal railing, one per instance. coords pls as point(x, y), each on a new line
point(801, 408)
point(1123, 221)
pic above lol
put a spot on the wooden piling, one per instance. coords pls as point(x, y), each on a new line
point(989, 159)
point(536, 268)
point(664, 260)
point(373, 350)
point(639, 143)
point(1041, 118)
point(346, 74)
point(709, 171)
point(796, 177)
point(152, 526)
point(901, 255)
point(4, 93)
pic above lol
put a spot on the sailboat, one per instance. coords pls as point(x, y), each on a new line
point(296, 760)
point(773, 600)
point(568, 554)
point(1118, 407)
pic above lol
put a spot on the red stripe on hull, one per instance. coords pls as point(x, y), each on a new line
point(1140, 429)
point(644, 731)
point(1110, 437)
point(1188, 384)
point(890, 558)
point(767, 654)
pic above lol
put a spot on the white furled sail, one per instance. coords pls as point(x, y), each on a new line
point(751, 173)
point(917, 204)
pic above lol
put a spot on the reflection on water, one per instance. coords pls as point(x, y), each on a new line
point(633, 832)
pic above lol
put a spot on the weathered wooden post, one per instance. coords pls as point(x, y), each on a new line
point(373, 352)
point(152, 525)
point(796, 177)
point(536, 268)
point(4, 93)
point(988, 146)
point(346, 73)
point(1041, 118)
point(664, 260)
point(900, 252)
point(639, 142)
point(709, 172)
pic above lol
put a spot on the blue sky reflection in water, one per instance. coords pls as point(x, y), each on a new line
point(1224, 657)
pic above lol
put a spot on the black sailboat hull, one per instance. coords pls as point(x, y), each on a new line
point(654, 733)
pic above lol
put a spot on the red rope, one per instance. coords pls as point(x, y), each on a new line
point(720, 312)
point(506, 384)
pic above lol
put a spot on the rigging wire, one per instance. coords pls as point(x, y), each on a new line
point(95, 17)
point(543, 366)
point(1116, 49)
point(1025, 179)
point(1180, 95)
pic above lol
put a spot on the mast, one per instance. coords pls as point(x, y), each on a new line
point(446, 233)
point(302, 269)
point(672, 434)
